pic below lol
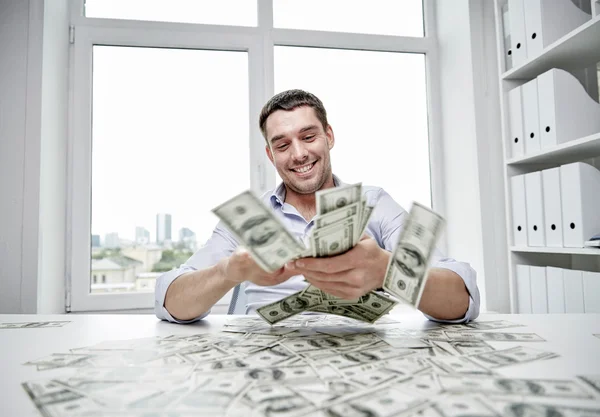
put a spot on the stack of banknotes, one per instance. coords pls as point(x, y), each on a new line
point(341, 220)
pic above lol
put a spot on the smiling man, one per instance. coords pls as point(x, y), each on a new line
point(298, 142)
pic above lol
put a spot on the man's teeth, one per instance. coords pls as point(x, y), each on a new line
point(304, 169)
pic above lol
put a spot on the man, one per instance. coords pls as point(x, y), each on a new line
point(298, 142)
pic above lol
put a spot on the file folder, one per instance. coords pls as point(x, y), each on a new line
point(519, 210)
point(580, 202)
point(539, 291)
point(566, 110)
point(573, 285)
point(517, 31)
point(556, 291)
point(548, 20)
point(515, 109)
point(523, 289)
point(591, 292)
point(534, 201)
point(552, 207)
point(531, 118)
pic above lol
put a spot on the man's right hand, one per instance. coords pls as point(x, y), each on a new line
point(240, 267)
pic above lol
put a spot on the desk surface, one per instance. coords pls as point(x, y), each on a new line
point(569, 335)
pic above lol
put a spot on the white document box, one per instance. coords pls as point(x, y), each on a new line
point(519, 210)
point(591, 292)
point(566, 111)
point(534, 201)
point(556, 291)
point(539, 291)
point(531, 118)
point(552, 207)
point(515, 109)
point(516, 21)
point(573, 285)
point(548, 20)
point(523, 289)
point(580, 202)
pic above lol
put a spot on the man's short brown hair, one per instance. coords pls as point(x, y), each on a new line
point(290, 100)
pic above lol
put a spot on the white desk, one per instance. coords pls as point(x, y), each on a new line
point(569, 335)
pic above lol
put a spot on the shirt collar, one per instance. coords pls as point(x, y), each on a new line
point(278, 195)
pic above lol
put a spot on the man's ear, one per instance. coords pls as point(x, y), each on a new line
point(269, 153)
point(330, 136)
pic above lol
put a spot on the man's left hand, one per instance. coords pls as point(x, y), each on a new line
point(349, 275)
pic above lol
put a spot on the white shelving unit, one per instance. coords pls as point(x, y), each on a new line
point(575, 50)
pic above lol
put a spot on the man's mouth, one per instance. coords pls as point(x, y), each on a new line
point(304, 168)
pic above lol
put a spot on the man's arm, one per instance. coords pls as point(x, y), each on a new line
point(445, 296)
point(194, 293)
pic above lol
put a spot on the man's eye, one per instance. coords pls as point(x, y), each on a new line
point(309, 137)
point(282, 147)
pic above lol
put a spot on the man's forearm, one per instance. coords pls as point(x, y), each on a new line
point(445, 296)
point(194, 293)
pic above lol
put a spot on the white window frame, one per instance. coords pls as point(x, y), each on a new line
point(259, 43)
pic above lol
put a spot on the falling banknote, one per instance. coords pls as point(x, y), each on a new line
point(407, 270)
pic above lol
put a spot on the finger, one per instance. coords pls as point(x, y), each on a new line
point(330, 265)
point(338, 277)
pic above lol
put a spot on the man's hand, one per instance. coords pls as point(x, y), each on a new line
point(349, 275)
point(241, 267)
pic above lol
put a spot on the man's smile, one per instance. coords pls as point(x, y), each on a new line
point(304, 169)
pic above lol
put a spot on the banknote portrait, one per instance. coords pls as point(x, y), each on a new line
point(410, 261)
point(259, 230)
point(294, 304)
point(519, 386)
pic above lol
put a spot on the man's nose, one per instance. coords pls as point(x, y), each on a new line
point(299, 152)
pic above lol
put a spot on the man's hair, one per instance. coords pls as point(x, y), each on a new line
point(290, 100)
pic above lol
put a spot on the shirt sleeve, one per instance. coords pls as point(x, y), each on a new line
point(220, 245)
point(386, 225)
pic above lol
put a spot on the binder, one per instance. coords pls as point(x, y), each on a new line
point(566, 111)
point(519, 210)
point(573, 285)
point(523, 289)
point(539, 291)
point(552, 207)
point(534, 202)
point(555, 289)
point(580, 202)
point(515, 109)
point(531, 117)
point(517, 31)
point(591, 292)
point(547, 21)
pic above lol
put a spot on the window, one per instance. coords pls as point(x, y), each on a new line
point(381, 17)
point(216, 12)
point(168, 93)
point(376, 104)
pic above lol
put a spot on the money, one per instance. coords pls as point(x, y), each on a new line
point(33, 325)
point(498, 337)
point(259, 230)
point(406, 272)
point(592, 380)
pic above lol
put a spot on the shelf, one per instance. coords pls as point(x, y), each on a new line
point(564, 251)
point(577, 49)
point(565, 153)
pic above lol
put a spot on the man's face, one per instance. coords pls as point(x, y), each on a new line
point(299, 148)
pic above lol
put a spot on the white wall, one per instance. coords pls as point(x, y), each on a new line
point(33, 71)
point(472, 144)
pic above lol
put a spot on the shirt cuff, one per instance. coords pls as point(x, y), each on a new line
point(162, 285)
point(469, 277)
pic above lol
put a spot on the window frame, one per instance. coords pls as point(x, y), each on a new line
point(259, 43)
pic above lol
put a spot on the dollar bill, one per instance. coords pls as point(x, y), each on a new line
point(364, 221)
point(33, 325)
point(498, 337)
point(512, 386)
point(592, 380)
point(524, 408)
point(259, 230)
point(512, 356)
point(335, 239)
point(287, 307)
point(406, 272)
point(337, 197)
